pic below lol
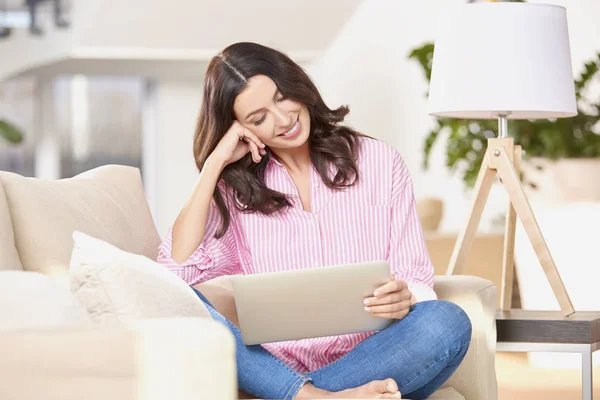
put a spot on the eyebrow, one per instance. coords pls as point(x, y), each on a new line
point(261, 109)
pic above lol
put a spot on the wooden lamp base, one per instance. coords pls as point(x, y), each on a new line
point(502, 157)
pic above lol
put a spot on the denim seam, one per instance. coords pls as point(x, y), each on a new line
point(424, 371)
point(433, 364)
point(299, 378)
point(347, 354)
point(282, 363)
point(301, 381)
point(463, 344)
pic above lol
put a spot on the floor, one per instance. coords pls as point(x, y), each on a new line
point(518, 380)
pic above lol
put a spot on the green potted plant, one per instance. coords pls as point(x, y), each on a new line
point(10, 132)
point(550, 146)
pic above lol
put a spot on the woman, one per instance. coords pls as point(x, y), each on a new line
point(284, 185)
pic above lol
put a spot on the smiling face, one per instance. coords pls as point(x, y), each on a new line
point(280, 123)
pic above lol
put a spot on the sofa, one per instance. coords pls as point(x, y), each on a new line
point(49, 348)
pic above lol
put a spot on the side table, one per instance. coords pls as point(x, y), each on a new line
point(531, 331)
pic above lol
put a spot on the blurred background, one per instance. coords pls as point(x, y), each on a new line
point(85, 83)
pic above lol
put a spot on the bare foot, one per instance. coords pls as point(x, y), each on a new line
point(387, 389)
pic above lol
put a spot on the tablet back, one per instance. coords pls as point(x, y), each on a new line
point(316, 302)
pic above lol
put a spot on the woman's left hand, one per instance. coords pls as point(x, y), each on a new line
point(392, 300)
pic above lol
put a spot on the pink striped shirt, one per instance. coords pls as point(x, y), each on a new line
point(374, 220)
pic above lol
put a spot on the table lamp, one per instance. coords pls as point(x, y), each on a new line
point(504, 61)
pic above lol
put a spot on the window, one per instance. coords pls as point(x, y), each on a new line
point(88, 121)
point(99, 122)
point(17, 106)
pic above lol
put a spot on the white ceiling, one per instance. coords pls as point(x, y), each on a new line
point(156, 37)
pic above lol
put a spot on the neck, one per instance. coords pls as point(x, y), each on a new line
point(294, 160)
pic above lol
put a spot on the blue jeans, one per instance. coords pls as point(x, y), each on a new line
point(420, 352)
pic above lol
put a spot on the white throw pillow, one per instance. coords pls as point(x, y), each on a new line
point(31, 300)
point(117, 286)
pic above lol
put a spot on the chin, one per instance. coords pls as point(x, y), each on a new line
point(300, 140)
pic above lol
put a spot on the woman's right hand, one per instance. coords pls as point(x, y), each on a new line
point(236, 143)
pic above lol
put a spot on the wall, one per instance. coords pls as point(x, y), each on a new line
point(23, 50)
point(169, 169)
point(367, 68)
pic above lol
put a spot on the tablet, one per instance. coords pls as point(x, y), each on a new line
point(309, 303)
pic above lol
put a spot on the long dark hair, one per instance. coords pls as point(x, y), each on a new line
point(329, 142)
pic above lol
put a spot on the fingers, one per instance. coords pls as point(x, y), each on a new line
point(391, 298)
point(392, 315)
point(255, 153)
point(387, 299)
point(392, 286)
point(255, 146)
point(391, 301)
point(389, 308)
point(251, 138)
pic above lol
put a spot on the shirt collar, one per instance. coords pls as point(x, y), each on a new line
point(273, 160)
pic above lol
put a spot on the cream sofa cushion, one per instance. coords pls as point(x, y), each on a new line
point(9, 258)
point(117, 286)
point(31, 300)
point(179, 359)
point(107, 202)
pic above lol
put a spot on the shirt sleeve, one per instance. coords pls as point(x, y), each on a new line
point(213, 258)
point(409, 258)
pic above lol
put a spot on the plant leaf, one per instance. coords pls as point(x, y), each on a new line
point(10, 132)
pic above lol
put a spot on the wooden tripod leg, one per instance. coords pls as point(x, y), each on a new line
point(509, 245)
point(511, 181)
point(485, 178)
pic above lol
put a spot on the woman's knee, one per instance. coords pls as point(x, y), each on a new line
point(446, 319)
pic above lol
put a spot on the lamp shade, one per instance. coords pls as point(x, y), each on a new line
point(493, 58)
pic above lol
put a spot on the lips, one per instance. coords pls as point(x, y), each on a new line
point(293, 130)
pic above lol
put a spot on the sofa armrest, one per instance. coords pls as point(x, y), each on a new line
point(475, 378)
point(150, 360)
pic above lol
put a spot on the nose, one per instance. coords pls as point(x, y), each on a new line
point(283, 118)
